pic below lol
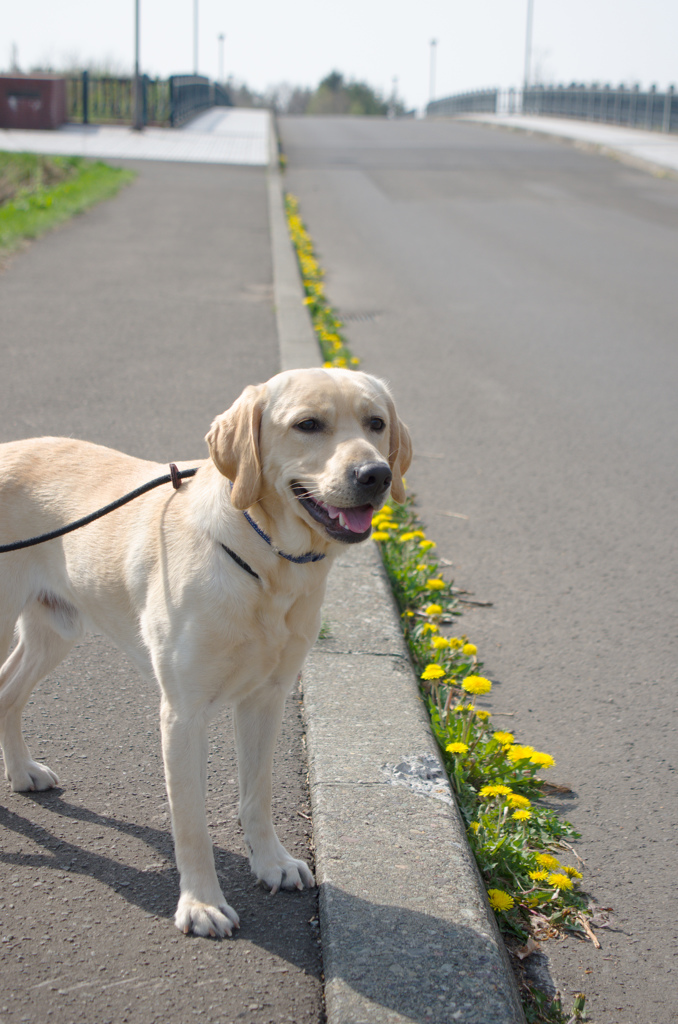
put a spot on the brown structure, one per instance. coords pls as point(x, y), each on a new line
point(32, 101)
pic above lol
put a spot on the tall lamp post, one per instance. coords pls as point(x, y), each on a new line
point(432, 71)
point(195, 37)
point(221, 38)
point(528, 47)
point(138, 98)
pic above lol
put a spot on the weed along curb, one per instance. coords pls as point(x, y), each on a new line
point(407, 933)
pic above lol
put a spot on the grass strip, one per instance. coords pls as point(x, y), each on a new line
point(37, 193)
point(519, 844)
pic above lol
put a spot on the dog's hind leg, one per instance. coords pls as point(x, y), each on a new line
point(40, 648)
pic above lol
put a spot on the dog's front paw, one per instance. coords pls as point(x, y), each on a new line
point(209, 919)
point(30, 776)
point(277, 869)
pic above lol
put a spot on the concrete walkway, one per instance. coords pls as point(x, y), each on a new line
point(654, 150)
point(219, 136)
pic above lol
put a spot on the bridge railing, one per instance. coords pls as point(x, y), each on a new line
point(482, 102)
point(106, 99)
point(635, 108)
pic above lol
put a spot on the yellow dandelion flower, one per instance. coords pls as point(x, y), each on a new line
point(500, 900)
point(559, 881)
point(518, 752)
point(426, 545)
point(538, 876)
point(475, 827)
point(464, 707)
point(404, 537)
point(522, 815)
point(483, 715)
point(421, 568)
point(354, 361)
point(545, 860)
point(429, 627)
point(386, 510)
point(476, 684)
point(439, 642)
point(433, 609)
point(469, 649)
point(419, 533)
point(455, 642)
point(543, 760)
point(435, 584)
point(573, 873)
point(503, 737)
point(380, 535)
point(516, 800)
point(457, 748)
point(409, 614)
point(490, 791)
point(433, 672)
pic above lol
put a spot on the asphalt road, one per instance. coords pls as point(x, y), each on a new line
point(520, 296)
point(133, 326)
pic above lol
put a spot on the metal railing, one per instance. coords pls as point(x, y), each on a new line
point(94, 99)
point(650, 110)
point(482, 102)
point(108, 100)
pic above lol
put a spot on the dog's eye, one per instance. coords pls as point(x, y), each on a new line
point(308, 426)
point(377, 424)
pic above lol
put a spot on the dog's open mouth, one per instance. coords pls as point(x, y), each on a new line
point(349, 525)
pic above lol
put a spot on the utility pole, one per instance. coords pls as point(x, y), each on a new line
point(432, 74)
point(195, 37)
point(138, 98)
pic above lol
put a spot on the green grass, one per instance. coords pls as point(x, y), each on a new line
point(37, 192)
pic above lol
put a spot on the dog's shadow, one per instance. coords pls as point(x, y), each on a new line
point(412, 963)
point(154, 888)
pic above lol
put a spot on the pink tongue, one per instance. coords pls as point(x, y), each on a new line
point(359, 519)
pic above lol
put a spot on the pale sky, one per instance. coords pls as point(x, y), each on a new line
point(480, 44)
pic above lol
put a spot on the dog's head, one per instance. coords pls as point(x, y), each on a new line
point(328, 443)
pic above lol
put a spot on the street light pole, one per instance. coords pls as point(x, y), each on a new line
point(195, 37)
point(138, 99)
point(432, 76)
point(528, 45)
point(221, 58)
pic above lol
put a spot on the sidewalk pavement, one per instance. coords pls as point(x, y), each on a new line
point(222, 135)
point(653, 151)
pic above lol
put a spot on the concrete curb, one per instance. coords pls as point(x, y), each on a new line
point(406, 930)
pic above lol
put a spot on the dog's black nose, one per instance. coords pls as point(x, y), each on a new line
point(374, 476)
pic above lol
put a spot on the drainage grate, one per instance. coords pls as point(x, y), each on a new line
point(359, 317)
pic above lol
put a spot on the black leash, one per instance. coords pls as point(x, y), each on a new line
point(175, 476)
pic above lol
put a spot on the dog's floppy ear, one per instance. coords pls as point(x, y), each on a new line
point(233, 441)
point(399, 451)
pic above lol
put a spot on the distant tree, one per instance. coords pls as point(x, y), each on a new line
point(335, 95)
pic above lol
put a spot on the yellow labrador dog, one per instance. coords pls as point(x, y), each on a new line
point(214, 588)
